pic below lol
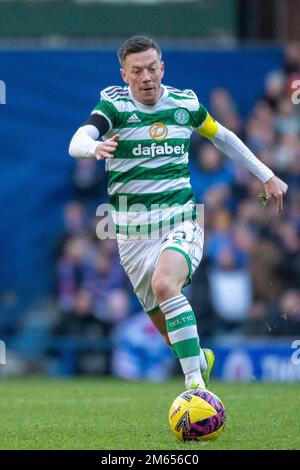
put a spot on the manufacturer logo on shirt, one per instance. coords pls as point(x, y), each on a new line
point(181, 116)
point(158, 131)
point(133, 118)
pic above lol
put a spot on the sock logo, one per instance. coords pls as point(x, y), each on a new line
point(181, 321)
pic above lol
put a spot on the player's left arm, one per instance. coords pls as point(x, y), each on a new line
point(230, 144)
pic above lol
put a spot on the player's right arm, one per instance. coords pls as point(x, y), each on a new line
point(85, 143)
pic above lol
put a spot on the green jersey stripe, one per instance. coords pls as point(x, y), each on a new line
point(166, 117)
point(142, 216)
point(170, 171)
point(126, 164)
point(180, 97)
point(164, 225)
point(125, 100)
point(148, 186)
point(140, 133)
point(123, 201)
point(108, 109)
point(145, 148)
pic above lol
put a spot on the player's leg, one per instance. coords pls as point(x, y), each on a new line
point(140, 268)
point(159, 321)
point(207, 357)
point(170, 275)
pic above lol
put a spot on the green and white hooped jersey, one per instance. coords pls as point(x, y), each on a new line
point(148, 177)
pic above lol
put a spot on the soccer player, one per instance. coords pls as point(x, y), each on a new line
point(145, 129)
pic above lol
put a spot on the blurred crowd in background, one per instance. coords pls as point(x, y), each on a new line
point(249, 278)
point(252, 257)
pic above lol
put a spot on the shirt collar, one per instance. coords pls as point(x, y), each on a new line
point(146, 106)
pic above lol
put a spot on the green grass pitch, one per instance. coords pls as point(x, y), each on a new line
point(111, 414)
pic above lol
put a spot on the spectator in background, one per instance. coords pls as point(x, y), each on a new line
point(263, 261)
point(256, 324)
point(75, 218)
point(292, 58)
point(287, 120)
point(118, 306)
point(218, 197)
point(283, 319)
point(209, 169)
point(228, 274)
point(293, 176)
point(224, 109)
point(200, 300)
point(81, 345)
point(289, 242)
point(75, 223)
point(228, 280)
point(140, 352)
point(294, 208)
point(219, 235)
point(80, 321)
point(286, 152)
point(90, 182)
point(70, 270)
point(274, 88)
point(101, 276)
point(259, 128)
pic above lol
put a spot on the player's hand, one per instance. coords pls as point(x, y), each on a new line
point(275, 189)
point(107, 148)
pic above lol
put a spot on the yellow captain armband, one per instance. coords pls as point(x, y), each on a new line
point(208, 128)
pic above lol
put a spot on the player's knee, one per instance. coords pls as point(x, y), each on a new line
point(163, 288)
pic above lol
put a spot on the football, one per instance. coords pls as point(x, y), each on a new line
point(197, 415)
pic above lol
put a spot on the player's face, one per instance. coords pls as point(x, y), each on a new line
point(143, 72)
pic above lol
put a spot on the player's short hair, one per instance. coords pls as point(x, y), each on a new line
point(137, 44)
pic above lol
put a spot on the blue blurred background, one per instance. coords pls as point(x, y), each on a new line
point(66, 306)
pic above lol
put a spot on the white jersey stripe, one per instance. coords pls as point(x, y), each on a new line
point(147, 217)
point(149, 186)
point(126, 164)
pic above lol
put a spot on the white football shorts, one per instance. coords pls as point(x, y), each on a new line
point(139, 258)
